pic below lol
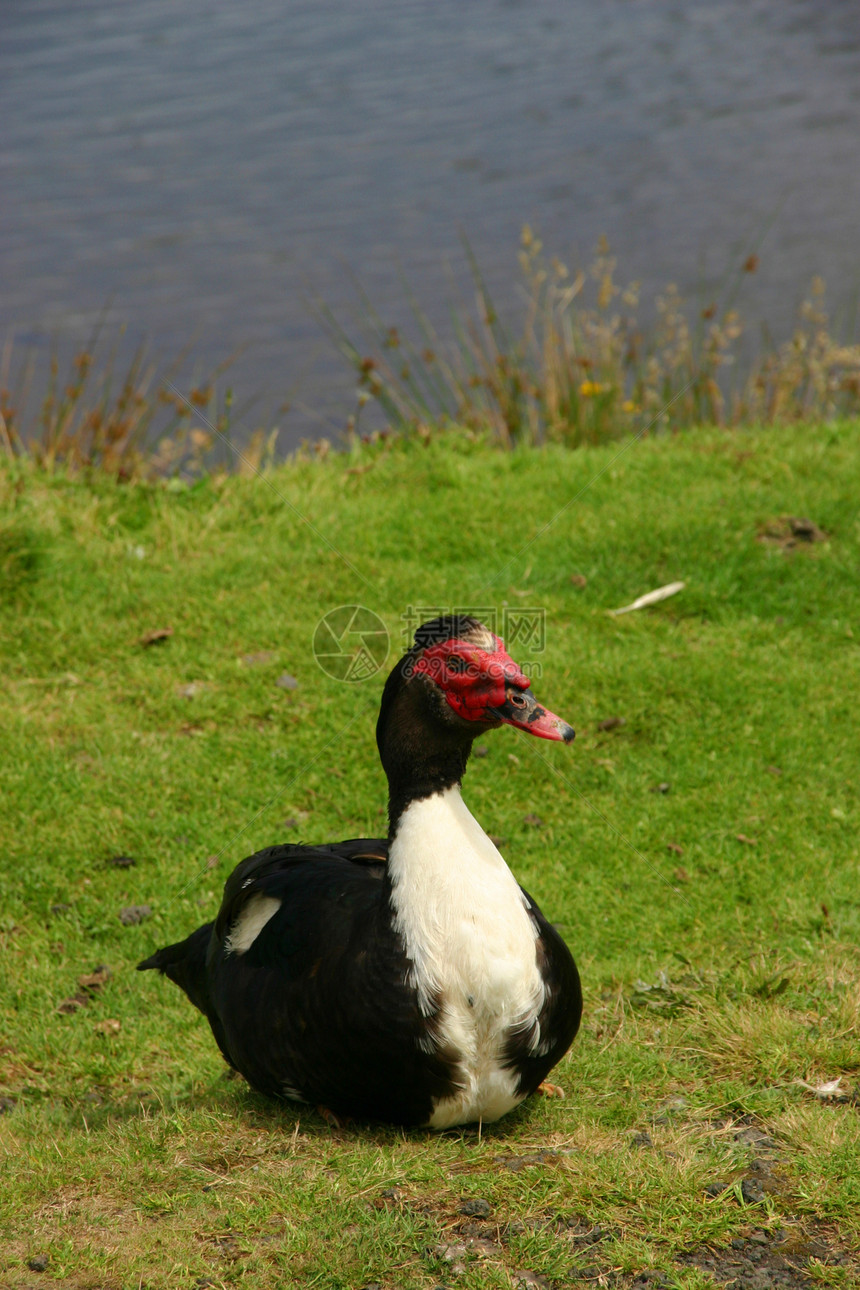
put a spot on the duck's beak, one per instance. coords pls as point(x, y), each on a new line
point(522, 709)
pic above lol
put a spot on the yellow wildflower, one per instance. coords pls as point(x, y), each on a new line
point(588, 389)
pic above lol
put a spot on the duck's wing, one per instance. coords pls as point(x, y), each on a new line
point(189, 963)
point(533, 1051)
point(311, 988)
point(262, 873)
point(307, 986)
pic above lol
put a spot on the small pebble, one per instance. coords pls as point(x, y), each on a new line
point(752, 1191)
point(38, 1263)
point(476, 1208)
point(133, 914)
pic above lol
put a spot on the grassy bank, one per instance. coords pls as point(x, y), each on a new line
point(697, 844)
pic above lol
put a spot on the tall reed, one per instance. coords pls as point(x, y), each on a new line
point(581, 368)
point(98, 416)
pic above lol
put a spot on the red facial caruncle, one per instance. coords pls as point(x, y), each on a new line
point(473, 679)
point(487, 685)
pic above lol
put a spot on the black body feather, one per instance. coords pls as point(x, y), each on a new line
point(320, 1005)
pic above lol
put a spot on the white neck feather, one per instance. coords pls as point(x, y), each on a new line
point(471, 939)
point(465, 921)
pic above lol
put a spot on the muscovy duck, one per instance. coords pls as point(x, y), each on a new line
point(407, 979)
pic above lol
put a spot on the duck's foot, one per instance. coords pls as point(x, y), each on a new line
point(332, 1120)
point(550, 1090)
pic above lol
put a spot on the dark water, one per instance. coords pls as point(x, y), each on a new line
point(200, 169)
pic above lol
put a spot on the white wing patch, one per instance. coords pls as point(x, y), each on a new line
point(251, 921)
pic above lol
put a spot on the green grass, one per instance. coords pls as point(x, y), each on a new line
point(132, 1160)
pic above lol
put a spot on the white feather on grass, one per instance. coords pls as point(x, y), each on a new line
point(651, 598)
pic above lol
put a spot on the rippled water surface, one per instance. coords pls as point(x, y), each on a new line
point(200, 170)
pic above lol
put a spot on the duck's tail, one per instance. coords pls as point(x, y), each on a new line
point(185, 964)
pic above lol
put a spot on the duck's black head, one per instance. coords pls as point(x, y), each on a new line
point(454, 684)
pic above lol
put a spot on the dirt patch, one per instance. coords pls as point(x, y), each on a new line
point(549, 1155)
point(765, 1259)
point(790, 531)
point(473, 1236)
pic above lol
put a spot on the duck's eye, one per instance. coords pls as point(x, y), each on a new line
point(516, 700)
point(455, 663)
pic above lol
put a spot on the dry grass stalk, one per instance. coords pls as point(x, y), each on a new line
point(583, 370)
point(126, 424)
